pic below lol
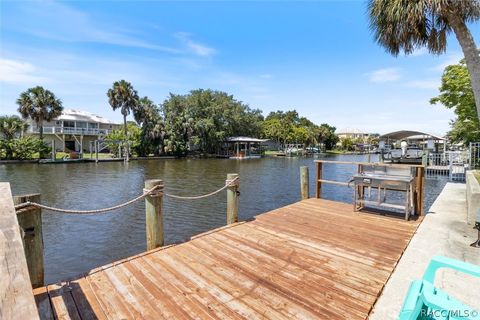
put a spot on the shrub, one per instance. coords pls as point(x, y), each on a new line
point(23, 148)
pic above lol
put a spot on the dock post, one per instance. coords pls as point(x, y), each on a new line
point(304, 192)
point(154, 215)
point(96, 151)
point(30, 222)
point(420, 192)
point(232, 198)
point(318, 193)
point(450, 166)
point(425, 159)
point(54, 154)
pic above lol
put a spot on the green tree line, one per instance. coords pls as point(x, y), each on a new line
point(202, 120)
point(199, 121)
point(288, 127)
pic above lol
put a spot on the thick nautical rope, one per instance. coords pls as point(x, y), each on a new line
point(228, 183)
point(153, 192)
point(38, 205)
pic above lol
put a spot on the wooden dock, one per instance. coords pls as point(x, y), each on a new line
point(314, 259)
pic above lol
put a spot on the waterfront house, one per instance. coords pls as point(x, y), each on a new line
point(73, 130)
point(355, 134)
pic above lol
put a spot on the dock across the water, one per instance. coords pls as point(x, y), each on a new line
point(313, 259)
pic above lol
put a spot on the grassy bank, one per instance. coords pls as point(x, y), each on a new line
point(335, 151)
point(60, 155)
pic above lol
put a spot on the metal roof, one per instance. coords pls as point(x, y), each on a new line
point(76, 115)
point(409, 134)
point(245, 139)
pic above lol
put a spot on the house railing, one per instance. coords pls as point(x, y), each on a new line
point(68, 130)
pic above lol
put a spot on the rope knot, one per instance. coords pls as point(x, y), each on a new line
point(232, 182)
point(155, 192)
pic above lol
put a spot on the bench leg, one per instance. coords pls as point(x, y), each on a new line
point(354, 198)
point(407, 203)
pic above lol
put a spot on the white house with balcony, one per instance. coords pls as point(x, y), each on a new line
point(73, 130)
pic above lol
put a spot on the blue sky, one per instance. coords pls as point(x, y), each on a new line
point(317, 57)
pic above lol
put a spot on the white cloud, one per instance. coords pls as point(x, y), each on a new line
point(60, 22)
point(419, 52)
point(195, 47)
point(384, 75)
point(453, 58)
point(423, 84)
point(18, 72)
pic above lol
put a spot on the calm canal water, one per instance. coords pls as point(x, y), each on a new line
point(76, 243)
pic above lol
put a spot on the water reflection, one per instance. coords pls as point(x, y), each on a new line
point(77, 243)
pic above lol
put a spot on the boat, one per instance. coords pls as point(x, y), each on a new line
point(411, 154)
point(294, 150)
point(408, 146)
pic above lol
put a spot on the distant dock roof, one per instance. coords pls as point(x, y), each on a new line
point(245, 139)
point(408, 134)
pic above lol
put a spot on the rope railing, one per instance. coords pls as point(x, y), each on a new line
point(228, 183)
point(154, 192)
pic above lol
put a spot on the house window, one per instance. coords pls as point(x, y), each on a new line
point(82, 125)
point(93, 125)
point(68, 124)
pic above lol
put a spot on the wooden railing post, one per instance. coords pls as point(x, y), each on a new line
point(96, 151)
point(304, 192)
point(54, 154)
point(232, 199)
point(30, 222)
point(154, 215)
point(420, 189)
point(360, 189)
point(318, 183)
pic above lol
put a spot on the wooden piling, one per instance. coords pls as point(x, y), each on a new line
point(232, 199)
point(154, 215)
point(54, 154)
point(318, 193)
point(420, 190)
point(304, 192)
point(361, 189)
point(96, 151)
point(30, 222)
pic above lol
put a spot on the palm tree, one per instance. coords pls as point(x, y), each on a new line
point(144, 111)
point(122, 96)
point(147, 115)
point(10, 127)
point(400, 25)
point(40, 105)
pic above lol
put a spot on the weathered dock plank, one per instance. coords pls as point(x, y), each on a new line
point(16, 298)
point(315, 259)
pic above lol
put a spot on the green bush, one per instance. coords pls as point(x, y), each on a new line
point(22, 148)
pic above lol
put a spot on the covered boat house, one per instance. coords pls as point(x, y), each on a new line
point(244, 147)
point(409, 146)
